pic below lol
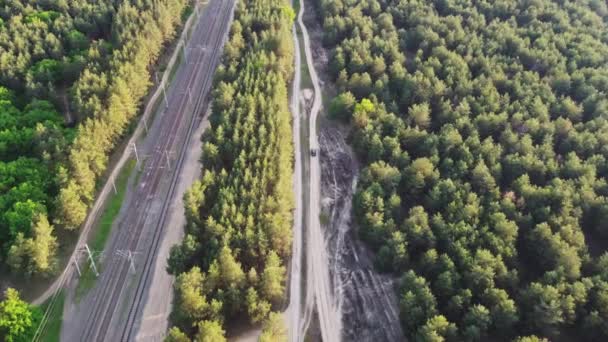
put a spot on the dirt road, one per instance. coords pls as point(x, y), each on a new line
point(366, 299)
point(295, 289)
point(319, 294)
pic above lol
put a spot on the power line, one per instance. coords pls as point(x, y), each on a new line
point(128, 255)
point(59, 287)
point(49, 308)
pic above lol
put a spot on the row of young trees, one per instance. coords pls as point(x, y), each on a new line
point(75, 56)
point(482, 126)
point(108, 94)
point(238, 235)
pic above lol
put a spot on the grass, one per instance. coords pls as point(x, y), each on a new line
point(160, 101)
point(324, 218)
point(178, 60)
point(140, 170)
point(85, 282)
point(106, 221)
point(186, 13)
point(306, 81)
point(52, 330)
point(112, 208)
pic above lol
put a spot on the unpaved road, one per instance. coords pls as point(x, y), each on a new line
point(366, 300)
point(319, 294)
point(294, 309)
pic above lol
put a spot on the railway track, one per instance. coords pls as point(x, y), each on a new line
point(129, 237)
point(128, 331)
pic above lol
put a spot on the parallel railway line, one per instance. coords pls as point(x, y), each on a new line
point(112, 281)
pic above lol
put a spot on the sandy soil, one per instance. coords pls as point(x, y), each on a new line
point(159, 299)
point(367, 300)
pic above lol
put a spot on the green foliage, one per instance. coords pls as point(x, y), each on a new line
point(52, 330)
point(256, 309)
point(342, 106)
point(77, 40)
point(273, 278)
point(417, 301)
point(239, 215)
point(437, 329)
point(274, 329)
point(108, 94)
point(210, 331)
point(112, 207)
point(482, 129)
point(530, 339)
point(35, 255)
point(57, 55)
point(176, 335)
point(46, 70)
point(17, 318)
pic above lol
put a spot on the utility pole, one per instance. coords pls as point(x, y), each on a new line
point(145, 123)
point(75, 262)
point(167, 158)
point(185, 51)
point(86, 247)
point(135, 149)
point(162, 84)
point(131, 262)
point(129, 256)
point(113, 184)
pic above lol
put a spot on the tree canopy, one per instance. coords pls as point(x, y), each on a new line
point(63, 85)
point(231, 262)
point(18, 320)
point(482, 127)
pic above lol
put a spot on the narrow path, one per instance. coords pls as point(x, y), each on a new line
point(366, 300)
point(295, 289)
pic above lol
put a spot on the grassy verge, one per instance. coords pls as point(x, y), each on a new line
point(306, 81)
point(85, 282)
point(178, 61)
point(296, 6)
point(52, 330)
point(106, 221)
point(112, 208)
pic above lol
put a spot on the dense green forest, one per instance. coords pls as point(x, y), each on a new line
point(483, 129)
point(231, 262)
point(64, 104)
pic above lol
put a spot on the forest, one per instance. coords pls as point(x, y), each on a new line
point(72, 77)
point(482, 128)
point(231, 262)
